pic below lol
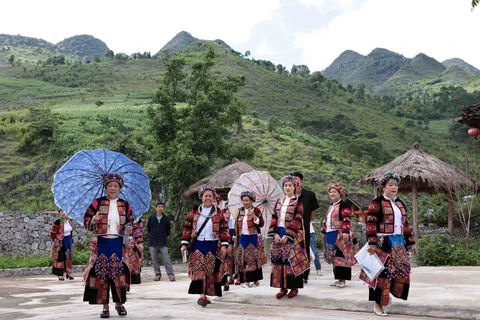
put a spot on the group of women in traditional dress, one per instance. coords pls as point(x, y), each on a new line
point(220, 242)
point(206, 235)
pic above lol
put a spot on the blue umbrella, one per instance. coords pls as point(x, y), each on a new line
point(80, 181)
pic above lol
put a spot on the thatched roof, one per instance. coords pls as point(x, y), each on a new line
point(428, 172)
point(361, 200)
point(470, 116)
point(222, 180)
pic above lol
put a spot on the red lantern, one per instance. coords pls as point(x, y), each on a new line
point(474, 132)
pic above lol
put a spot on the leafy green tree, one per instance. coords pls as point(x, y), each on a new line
point(11, 59)
point(475, 3)
point(109, 54)
point(191, 117)
point(247, 53)
point(95, 58)
point(41, 125)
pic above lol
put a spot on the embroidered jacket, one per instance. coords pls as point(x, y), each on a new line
point(253, 228)
point(380, 219)
point(340, 218)
point(219, 225)
point(293, 219)
point(58, 229)
point(101, 206)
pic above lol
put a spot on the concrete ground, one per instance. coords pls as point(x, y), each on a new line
point(438, 292)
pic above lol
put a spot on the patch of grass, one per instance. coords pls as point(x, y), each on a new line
point(80, 257)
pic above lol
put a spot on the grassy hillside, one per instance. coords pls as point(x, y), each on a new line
point(311, 124)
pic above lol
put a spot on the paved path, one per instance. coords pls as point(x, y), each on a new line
point(439, 292)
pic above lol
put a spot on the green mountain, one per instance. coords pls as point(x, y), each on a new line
point(387, 73)
point(462, 64)
point(82, 47)
point(307, 123)
point(182, 40)
point(31, 50)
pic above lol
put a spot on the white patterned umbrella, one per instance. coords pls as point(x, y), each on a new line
point(266, 189)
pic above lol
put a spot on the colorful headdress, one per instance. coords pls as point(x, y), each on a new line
point(249, 194)
point(337, 186)
point(381, 182)
point(204, 188)
point(112, 177)
point(290, 178)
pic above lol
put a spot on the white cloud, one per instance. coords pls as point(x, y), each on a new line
point(130, 26)
point(441, 29)
point(311, 32)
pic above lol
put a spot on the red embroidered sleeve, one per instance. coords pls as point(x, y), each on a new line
point(293, 227)
point(261, 222)
point(224, 235)
point(91, 211)
point(407, 231)
point(54, 231)
point(346, 216)
point(188, 228)
point(372, 220)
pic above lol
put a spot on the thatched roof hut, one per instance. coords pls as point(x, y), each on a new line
point(222, 180)
point(422, 172)
point(470, 116)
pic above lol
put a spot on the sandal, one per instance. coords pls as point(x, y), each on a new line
point(69, 277)
point(121, 310)
point(105, 314)
point(61, 279)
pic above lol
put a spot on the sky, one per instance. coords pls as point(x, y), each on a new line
point(301, 32)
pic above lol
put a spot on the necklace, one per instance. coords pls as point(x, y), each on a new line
point(210, 214)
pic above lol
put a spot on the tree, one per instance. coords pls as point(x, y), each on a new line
point(191, 117)
point(475, 3)
point(247, 53)
point(95, 58)
point(109, 54)
point(302, 70)
point(11, 59)
point(41, 125)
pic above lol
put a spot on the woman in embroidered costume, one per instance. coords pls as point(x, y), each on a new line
point(288, 254)
point(110, 218)
point(62, 249)
point(134, 254)
point(388, 234)
point(339, 241)
point(250, 255)
point(209, 248)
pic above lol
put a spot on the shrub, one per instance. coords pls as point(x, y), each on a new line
point(439, 250)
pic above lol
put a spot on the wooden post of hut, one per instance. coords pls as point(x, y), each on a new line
point(415, 209)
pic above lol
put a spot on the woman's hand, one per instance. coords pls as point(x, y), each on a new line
point(371, 249)
point(223, 250)
point(95, 219)
point(414, 250)
point(346, 237)
point(284, 239)
point(140, 247)
point(276, 238)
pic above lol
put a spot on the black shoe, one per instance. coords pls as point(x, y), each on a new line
point(226, 288)
point(305, 281)
point(121, 310)
point(69, 277)
point(105, 314)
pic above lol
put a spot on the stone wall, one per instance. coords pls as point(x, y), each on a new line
point(28, 234)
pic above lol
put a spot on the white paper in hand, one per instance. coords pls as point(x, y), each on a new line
point(370, 263)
